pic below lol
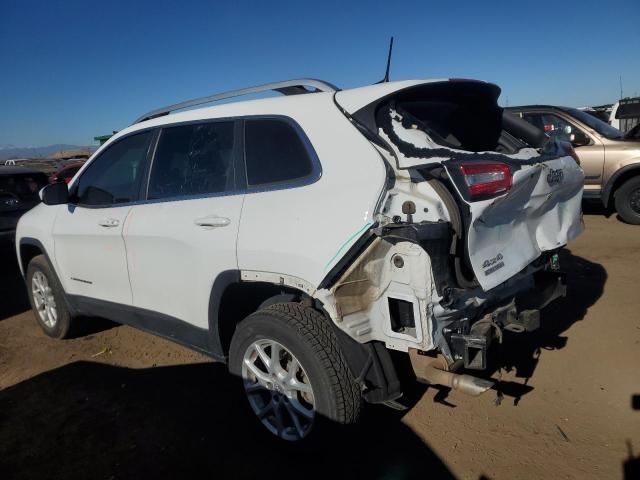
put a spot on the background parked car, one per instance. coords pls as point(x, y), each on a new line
point(602, 111)
point(66, 173)
point(19, 187)
point(611, 160)
point(625, 114)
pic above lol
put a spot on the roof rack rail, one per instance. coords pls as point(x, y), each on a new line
point(286, 87)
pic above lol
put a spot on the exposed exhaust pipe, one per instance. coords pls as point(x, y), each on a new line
point(434, 371)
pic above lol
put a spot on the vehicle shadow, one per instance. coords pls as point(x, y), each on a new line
point(13, 293)
point(521, 351)
point(90, 420)
point(631, 466)
point(595, 207)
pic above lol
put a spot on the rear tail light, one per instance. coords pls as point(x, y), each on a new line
point(486, 180)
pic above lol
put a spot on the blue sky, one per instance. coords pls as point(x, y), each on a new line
point(75, 69)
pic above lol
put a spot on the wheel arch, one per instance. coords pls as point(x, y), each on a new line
point(28, 248)
point(617, 179)
point(233, 299)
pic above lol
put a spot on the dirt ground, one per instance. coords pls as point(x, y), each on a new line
point(116, 403)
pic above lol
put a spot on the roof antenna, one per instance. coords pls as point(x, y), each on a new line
point(386, 73)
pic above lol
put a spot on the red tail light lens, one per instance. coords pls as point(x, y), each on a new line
point(486, 180)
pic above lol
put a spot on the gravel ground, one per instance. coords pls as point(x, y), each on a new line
point(117, 403)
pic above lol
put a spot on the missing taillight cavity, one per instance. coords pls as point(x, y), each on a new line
point(486, 180)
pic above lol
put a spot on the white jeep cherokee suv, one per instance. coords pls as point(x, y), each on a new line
point(302, 238)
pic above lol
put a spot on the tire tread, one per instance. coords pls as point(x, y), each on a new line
point(622, 200)
point(318, 333)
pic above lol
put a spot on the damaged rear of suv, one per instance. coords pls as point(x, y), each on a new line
point(302, 239)
point(465, 243)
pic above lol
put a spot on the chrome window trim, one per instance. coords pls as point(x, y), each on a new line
point(313, 177)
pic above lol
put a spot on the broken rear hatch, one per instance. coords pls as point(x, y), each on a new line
point(518, 192)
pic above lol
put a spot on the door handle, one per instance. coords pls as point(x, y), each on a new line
point(212, 221)
point(109, 222)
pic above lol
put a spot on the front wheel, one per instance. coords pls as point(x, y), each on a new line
point(627, 199)
point(47, 298)
point(293, 371)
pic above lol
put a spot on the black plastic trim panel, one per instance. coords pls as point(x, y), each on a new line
point(347, 259)
point(220, 284)
point(149, 321)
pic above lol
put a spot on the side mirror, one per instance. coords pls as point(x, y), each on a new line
point(55, 194)
point(579, 138)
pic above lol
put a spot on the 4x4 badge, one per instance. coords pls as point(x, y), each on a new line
point(555, 176)
point(493, 264)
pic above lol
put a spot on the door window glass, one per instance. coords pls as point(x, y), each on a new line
point(114, 177)
point(193, 160)
point(274, 152)
point(552, 125)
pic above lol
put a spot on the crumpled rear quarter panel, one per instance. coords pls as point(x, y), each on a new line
point(540, 213)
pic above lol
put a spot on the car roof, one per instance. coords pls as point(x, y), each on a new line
point(289, 104)
point(538, 107)
point(72, 165)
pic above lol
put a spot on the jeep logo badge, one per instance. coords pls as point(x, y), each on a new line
point(555, 177)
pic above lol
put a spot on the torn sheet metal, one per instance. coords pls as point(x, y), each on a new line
point(541, 212)
point(361, 295)
point(420, 148)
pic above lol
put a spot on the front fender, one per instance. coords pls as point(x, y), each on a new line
point(632, 167)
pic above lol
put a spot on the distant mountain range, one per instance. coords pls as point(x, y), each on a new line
point(11, 151)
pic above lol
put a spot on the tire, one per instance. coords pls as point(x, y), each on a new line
point(47, 298)
point(627, 198)
point(299, 334)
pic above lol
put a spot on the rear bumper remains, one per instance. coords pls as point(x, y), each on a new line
point(467, 345)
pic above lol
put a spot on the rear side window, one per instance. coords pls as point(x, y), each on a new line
point(274, 152)
point(114, 177)
point(193, 160)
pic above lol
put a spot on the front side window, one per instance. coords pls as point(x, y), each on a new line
point(114, 177)
point(552, 125)
point(274, 152)
point(193, 160)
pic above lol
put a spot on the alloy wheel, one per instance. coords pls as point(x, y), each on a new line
point(44, 299)
point(278, 389)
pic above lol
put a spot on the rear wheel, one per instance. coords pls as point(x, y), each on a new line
point(294, 374)
point(627, 199)
point(47, 298)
